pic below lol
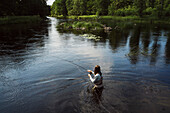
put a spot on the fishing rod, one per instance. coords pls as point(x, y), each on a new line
point(84, 69)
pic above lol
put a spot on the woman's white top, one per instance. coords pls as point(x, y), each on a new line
point(96, 79)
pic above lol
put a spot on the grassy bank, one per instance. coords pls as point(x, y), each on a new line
point(80, 25)
point(19, 19)
point(145, 19)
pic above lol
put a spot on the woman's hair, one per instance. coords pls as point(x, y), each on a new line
point(97, 70)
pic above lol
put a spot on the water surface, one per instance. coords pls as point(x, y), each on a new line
point(43, 69)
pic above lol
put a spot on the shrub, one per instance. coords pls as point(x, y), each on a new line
point(126, 11)
point(150, 11)
point(130, 10)
point(119, 12)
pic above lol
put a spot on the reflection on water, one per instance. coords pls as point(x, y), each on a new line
point(167, 53)
point(43, 69)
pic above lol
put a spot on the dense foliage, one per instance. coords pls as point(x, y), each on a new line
point(156, 8)
point(23, 7)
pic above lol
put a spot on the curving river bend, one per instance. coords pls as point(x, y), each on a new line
point(43, 70)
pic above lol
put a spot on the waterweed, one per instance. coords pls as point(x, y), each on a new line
point(91, 37)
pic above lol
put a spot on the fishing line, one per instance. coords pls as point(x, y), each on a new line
point(78, 66)
point(84, 69)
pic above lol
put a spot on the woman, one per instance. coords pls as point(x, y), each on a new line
point(96, 77)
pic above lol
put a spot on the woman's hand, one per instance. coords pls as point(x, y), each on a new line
point(89, 71)
point(89, 75)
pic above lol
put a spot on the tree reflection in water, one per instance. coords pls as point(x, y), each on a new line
point(167, 50)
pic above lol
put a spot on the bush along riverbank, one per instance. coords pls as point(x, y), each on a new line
point(19, 19)
point(83, 26)
point(135, 19)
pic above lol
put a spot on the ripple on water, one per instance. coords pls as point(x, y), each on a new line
point(43, 71)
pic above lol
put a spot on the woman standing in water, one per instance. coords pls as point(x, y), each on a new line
point(96, 77)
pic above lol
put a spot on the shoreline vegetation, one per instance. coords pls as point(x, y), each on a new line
point(90, 26)
point(19, 19)
point(157, 11)
point(23, 11)
point(81, 25)
point(90, 23)
point(137, 19)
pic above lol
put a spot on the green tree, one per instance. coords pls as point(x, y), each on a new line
point(167, 7)
point(78, 7)
point(118, 4)
point(90, 7)
point(150, 3)
point(59, 8)
point(102, 6)
point(23, 7)
point(159, 5)
point(8, 7)
point(33, 7)
point(112, 7)
point(166, 3)
point(69, 6)
point(141, 5)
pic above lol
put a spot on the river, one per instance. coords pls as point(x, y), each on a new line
point(43, 70)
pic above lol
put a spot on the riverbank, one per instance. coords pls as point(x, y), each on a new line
point(81, 25)
point(19, 19)
point(145, 19)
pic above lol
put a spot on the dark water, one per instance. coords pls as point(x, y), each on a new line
point(43, 70)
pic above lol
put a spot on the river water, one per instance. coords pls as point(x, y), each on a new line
point(43, 70)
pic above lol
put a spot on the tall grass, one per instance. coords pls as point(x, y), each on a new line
point(19, 19)
point(86, 25)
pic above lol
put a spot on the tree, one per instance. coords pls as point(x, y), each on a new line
point(119, 4)
point(23, 7)
point(59, 8)
point(150, 3)
point(78, 7)
point(167, 7)
point(90, 7)
point(159, 7)
point(102, 6)
point(112, 7)
point(7, 7)
point(69, 6)
point(141, 5)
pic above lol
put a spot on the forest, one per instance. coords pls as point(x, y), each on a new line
point(23, 8)
point(154, 8)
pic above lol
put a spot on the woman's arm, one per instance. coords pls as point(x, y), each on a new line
point(95, 78)
point(90, 71)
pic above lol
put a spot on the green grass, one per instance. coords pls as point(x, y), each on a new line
point(120, 17)
point(86, 25)
point(100, 17)
point(77, 17)
point(19, 19)
point(145, 19)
